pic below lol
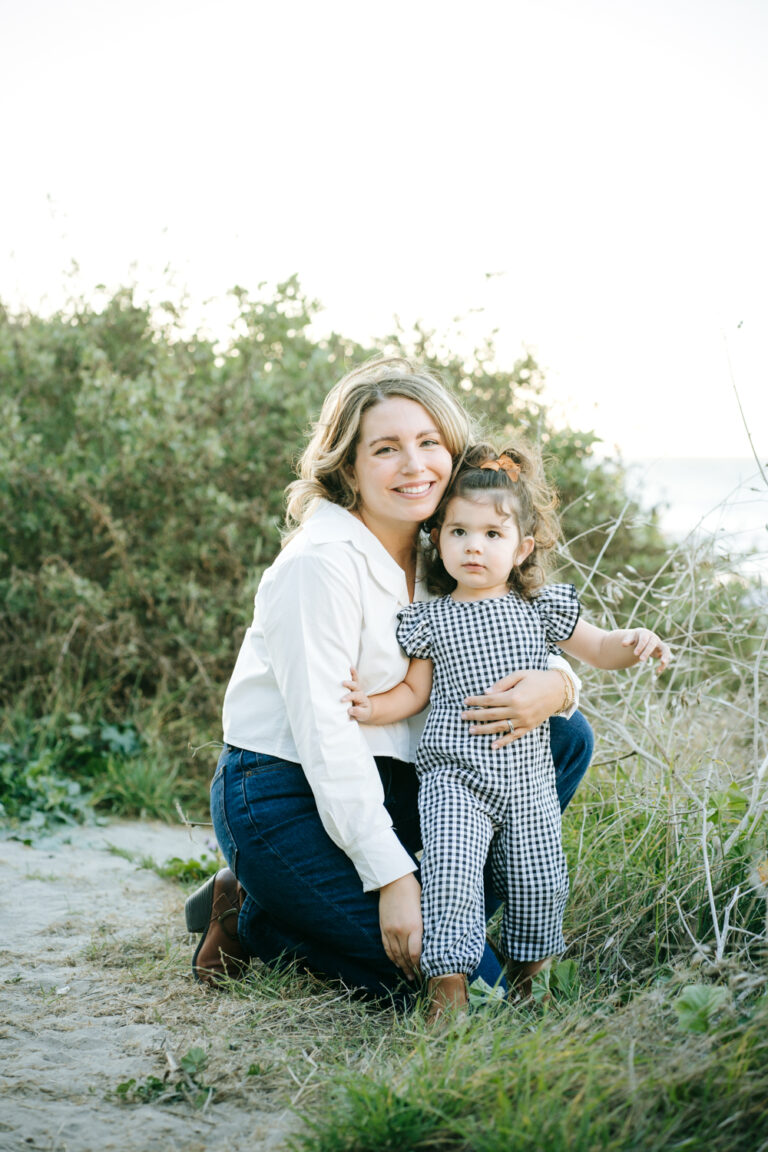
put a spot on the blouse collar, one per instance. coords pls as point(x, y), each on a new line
point(331, 523)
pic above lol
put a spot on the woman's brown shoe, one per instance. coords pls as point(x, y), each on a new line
point(447, 995)
point(213, 910)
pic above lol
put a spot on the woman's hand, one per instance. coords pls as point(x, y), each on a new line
point(526, 698)
point(401, 924)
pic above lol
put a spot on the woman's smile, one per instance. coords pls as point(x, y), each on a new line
point(415, 489)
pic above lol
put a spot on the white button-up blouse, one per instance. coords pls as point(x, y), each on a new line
point(330, 602)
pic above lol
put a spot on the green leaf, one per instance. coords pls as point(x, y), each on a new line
point(565, 978)
point(481, 993)
point(194, 1061)
point(697, 1005)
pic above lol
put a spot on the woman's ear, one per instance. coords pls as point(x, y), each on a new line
point(527, 545)
point(349, 475)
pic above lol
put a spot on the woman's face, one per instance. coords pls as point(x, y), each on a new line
point(402, 465)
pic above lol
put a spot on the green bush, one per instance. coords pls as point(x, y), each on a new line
point(142, 472)
point(141, 484)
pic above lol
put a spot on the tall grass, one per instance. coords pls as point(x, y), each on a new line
point(580, 1080)
point(678, 796)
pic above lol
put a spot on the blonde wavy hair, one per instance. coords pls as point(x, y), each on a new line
point(529, 498)
point(325, 467)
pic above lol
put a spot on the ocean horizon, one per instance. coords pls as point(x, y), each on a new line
point(697, 497)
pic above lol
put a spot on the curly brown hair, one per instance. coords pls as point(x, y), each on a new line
point(530, 498)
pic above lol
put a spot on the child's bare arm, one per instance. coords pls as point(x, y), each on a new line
point(405, 699)
point(619, 649)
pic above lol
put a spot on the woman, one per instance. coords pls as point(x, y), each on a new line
point(315, 815)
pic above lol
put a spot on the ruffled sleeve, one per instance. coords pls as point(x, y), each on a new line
point(414, 634)
point(558, 608)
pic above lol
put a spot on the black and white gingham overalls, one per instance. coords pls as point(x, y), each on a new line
point(473, 798)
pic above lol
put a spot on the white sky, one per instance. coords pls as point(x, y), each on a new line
point(604, 159)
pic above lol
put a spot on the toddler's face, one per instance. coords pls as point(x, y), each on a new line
point(480, 546)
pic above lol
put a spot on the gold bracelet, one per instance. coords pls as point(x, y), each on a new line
point(569, 694)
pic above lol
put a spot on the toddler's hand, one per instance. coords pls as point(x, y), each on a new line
point(647, 645)
point(360, 707)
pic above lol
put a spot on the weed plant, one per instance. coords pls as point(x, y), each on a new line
point(59, 770)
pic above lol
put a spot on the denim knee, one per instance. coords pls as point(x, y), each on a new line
point(571, 742)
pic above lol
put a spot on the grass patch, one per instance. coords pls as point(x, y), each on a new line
point(607, 1078)
point(144, 786)
point(61, 769)
point(188, 872)
point(658, 1054)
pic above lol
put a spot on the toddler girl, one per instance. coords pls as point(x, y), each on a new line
point(491, 535)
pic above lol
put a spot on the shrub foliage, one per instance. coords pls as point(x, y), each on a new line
point(141, 493)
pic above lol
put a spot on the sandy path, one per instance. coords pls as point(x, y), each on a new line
point(95, 990)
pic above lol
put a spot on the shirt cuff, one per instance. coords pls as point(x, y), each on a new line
point(557, 663)
point(380, 860)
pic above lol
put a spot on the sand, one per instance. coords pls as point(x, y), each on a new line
point(95, 990)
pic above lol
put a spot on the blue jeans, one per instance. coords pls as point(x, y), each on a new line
point(305, 901)
point(571, 742)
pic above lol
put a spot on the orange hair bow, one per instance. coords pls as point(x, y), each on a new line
point(504, 464)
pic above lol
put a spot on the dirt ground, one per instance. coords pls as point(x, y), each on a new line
point(95, 991)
